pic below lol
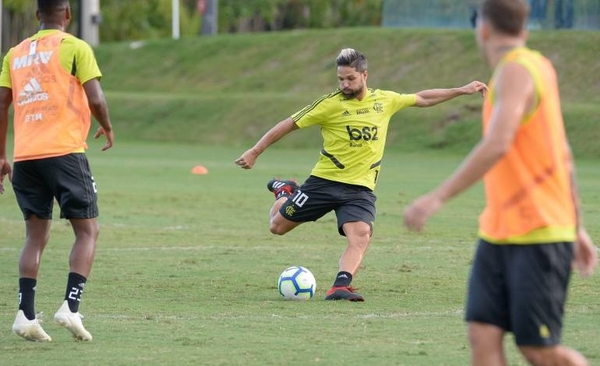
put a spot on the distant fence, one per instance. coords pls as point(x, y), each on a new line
point(458, 14)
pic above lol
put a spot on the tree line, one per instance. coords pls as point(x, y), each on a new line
point(147, 19)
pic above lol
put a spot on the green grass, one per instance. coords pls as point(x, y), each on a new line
point(232, 87)
point(186, 270)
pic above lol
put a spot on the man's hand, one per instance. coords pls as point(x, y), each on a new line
point(585, 258)
point(417, 214)
point(247, 160)
point(110, 137)
point(5, 169)
point(474, 87)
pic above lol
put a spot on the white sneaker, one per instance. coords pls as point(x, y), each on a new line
point(72, 321)
point(29, 329)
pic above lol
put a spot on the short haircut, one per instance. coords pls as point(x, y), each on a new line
point(506, 16)
point(50, 6)
point(352, 58)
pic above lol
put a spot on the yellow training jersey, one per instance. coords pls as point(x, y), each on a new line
point(354, 133)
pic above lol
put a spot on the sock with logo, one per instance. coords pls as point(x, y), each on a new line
point(75, 284)
point(27, 296)
point(282, 194)
point(343, 279)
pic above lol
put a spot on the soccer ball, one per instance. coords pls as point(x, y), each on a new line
point(297, 283)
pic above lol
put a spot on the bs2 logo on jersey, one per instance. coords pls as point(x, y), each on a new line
point(364, 134)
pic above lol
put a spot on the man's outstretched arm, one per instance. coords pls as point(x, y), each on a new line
point(281, 129)
point(431, 97)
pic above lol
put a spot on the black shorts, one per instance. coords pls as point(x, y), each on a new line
point(318, 196)
point(521, 289)
point(67, 178)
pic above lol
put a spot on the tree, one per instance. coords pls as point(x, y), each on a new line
point(145, 19)
point(266, 15)
point(136, 19)
point(19, 19)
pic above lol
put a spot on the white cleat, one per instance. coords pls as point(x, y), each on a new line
point(72, 321)
point(29, 329)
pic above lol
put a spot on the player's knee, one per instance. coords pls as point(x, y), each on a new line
point(279, 225)
point(278, 228)
point(359, 238)
point(94, 230)
point(476, 336)
point(485, 337)
point(553, 356)
point(86, 229)
point(365, 233)
point(532, 355)
point(360, 230)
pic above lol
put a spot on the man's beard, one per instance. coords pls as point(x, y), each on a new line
point(353, 93)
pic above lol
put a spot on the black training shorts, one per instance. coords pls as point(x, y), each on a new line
point(67, 178)
point(318, 196)
point(521, 289)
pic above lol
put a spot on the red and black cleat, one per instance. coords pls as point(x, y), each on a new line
point(343, 293)
point(281, 188)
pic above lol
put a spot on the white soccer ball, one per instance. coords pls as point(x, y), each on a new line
point(297, 283)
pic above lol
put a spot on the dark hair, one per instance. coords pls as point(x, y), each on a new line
point(50, 6)
point(506, 16)
point(353, 58)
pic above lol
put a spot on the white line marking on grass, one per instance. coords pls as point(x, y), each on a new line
point(158, 317)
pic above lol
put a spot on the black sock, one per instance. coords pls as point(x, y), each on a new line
point(27, 296)
point(343, 279)
point(75, 285)
point(282, 194)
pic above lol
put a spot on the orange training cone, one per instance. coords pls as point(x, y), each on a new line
point(199, 169)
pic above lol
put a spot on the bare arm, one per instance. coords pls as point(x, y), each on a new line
point(5, 102)
point(515, 97)
point(431, 97)
point(281, 129)
point(585, 258)
point(99, 109)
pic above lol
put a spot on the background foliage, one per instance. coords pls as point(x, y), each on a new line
point(261, 15)
point(149, 19)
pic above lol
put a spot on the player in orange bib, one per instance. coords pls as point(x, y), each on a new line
point(52, 81)
point(531, 230)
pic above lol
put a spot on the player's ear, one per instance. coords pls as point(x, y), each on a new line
point(483, 29)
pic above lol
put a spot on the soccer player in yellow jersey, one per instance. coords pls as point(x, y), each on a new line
point(52, 81)
point(354, 123)
point(531, 230)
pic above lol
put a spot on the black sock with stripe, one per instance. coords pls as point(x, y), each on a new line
point(27, 296)
point(343, 279)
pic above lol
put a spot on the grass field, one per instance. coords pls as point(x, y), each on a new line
point(186, 270)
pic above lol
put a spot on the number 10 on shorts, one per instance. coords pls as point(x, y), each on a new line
point(300, 199)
